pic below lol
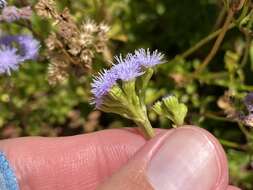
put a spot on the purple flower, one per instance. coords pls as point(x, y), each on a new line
point(16, 49)
point(12, 13)
point(101, 85)
point(9, 60)
point(248, 101)
point(127, 69)
point(148, 59)
point(28, 46)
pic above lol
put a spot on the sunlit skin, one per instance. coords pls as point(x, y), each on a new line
point(120, 159)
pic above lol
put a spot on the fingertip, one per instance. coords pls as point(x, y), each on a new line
point(186, 158)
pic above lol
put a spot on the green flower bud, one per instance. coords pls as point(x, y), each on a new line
point(172, 109)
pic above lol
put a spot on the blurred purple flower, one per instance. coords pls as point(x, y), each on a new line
point(9, 59)
point(28, 46)
point(248, 101)
point(148, 59)
point(16, 49)
point(12, 13)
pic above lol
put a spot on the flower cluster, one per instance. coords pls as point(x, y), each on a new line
point(12, 13)
point(72, 45)
point(248, 118)
point(171, 108)
point(16, 49)
point(121, 89)
point(127, 69)
point(248, 101)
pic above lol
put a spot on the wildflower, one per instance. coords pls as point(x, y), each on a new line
point(16, 49)
point(127, 69)
point(248, 101)
point(29, 47)
point(89, 26)
point(149, 59)
point(9, 59)
point(46, 8)
point(74, 45)
point(101, 85)
point(57, 71)
point(121, 89)
point(12, 13)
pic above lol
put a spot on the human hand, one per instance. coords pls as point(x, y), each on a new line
point(186, 158)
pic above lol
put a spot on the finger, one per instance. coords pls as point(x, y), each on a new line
point(187, 158)
point(80, 162)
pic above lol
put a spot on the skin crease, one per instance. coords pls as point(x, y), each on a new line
point(109, 159)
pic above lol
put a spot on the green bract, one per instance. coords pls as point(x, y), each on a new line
point(172, 109)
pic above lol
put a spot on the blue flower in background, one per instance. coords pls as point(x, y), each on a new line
point(248, 101)
point(16, 49)
point(9, 59)
point(28, 46)
point(12, 13)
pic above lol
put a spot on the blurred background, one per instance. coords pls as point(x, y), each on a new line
point(30, 106)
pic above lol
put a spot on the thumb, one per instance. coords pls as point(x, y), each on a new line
point(186, 158)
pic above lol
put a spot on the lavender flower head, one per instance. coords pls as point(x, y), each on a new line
point(248, 101)
point(101, 85)
point(29, 47)
point(12, 13)
point(126, 69)
point(9, 59)
point(16, 49)
point(148, 59)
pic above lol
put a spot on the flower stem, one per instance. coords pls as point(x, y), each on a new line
point(217, 43)
point(146, 128)
point(204, 41)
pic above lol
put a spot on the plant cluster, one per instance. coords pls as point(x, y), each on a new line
point(70, 45)
point(67, 77)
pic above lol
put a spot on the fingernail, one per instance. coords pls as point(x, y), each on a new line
point(8, 180)
point(187, 160)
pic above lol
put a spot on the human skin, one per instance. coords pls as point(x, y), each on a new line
point(188, 158)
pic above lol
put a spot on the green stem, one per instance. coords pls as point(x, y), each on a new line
point(137, 108)
point(204, 41)
point(146, 128)
point(244, 130)
point(231, 144)
point(217, 43)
